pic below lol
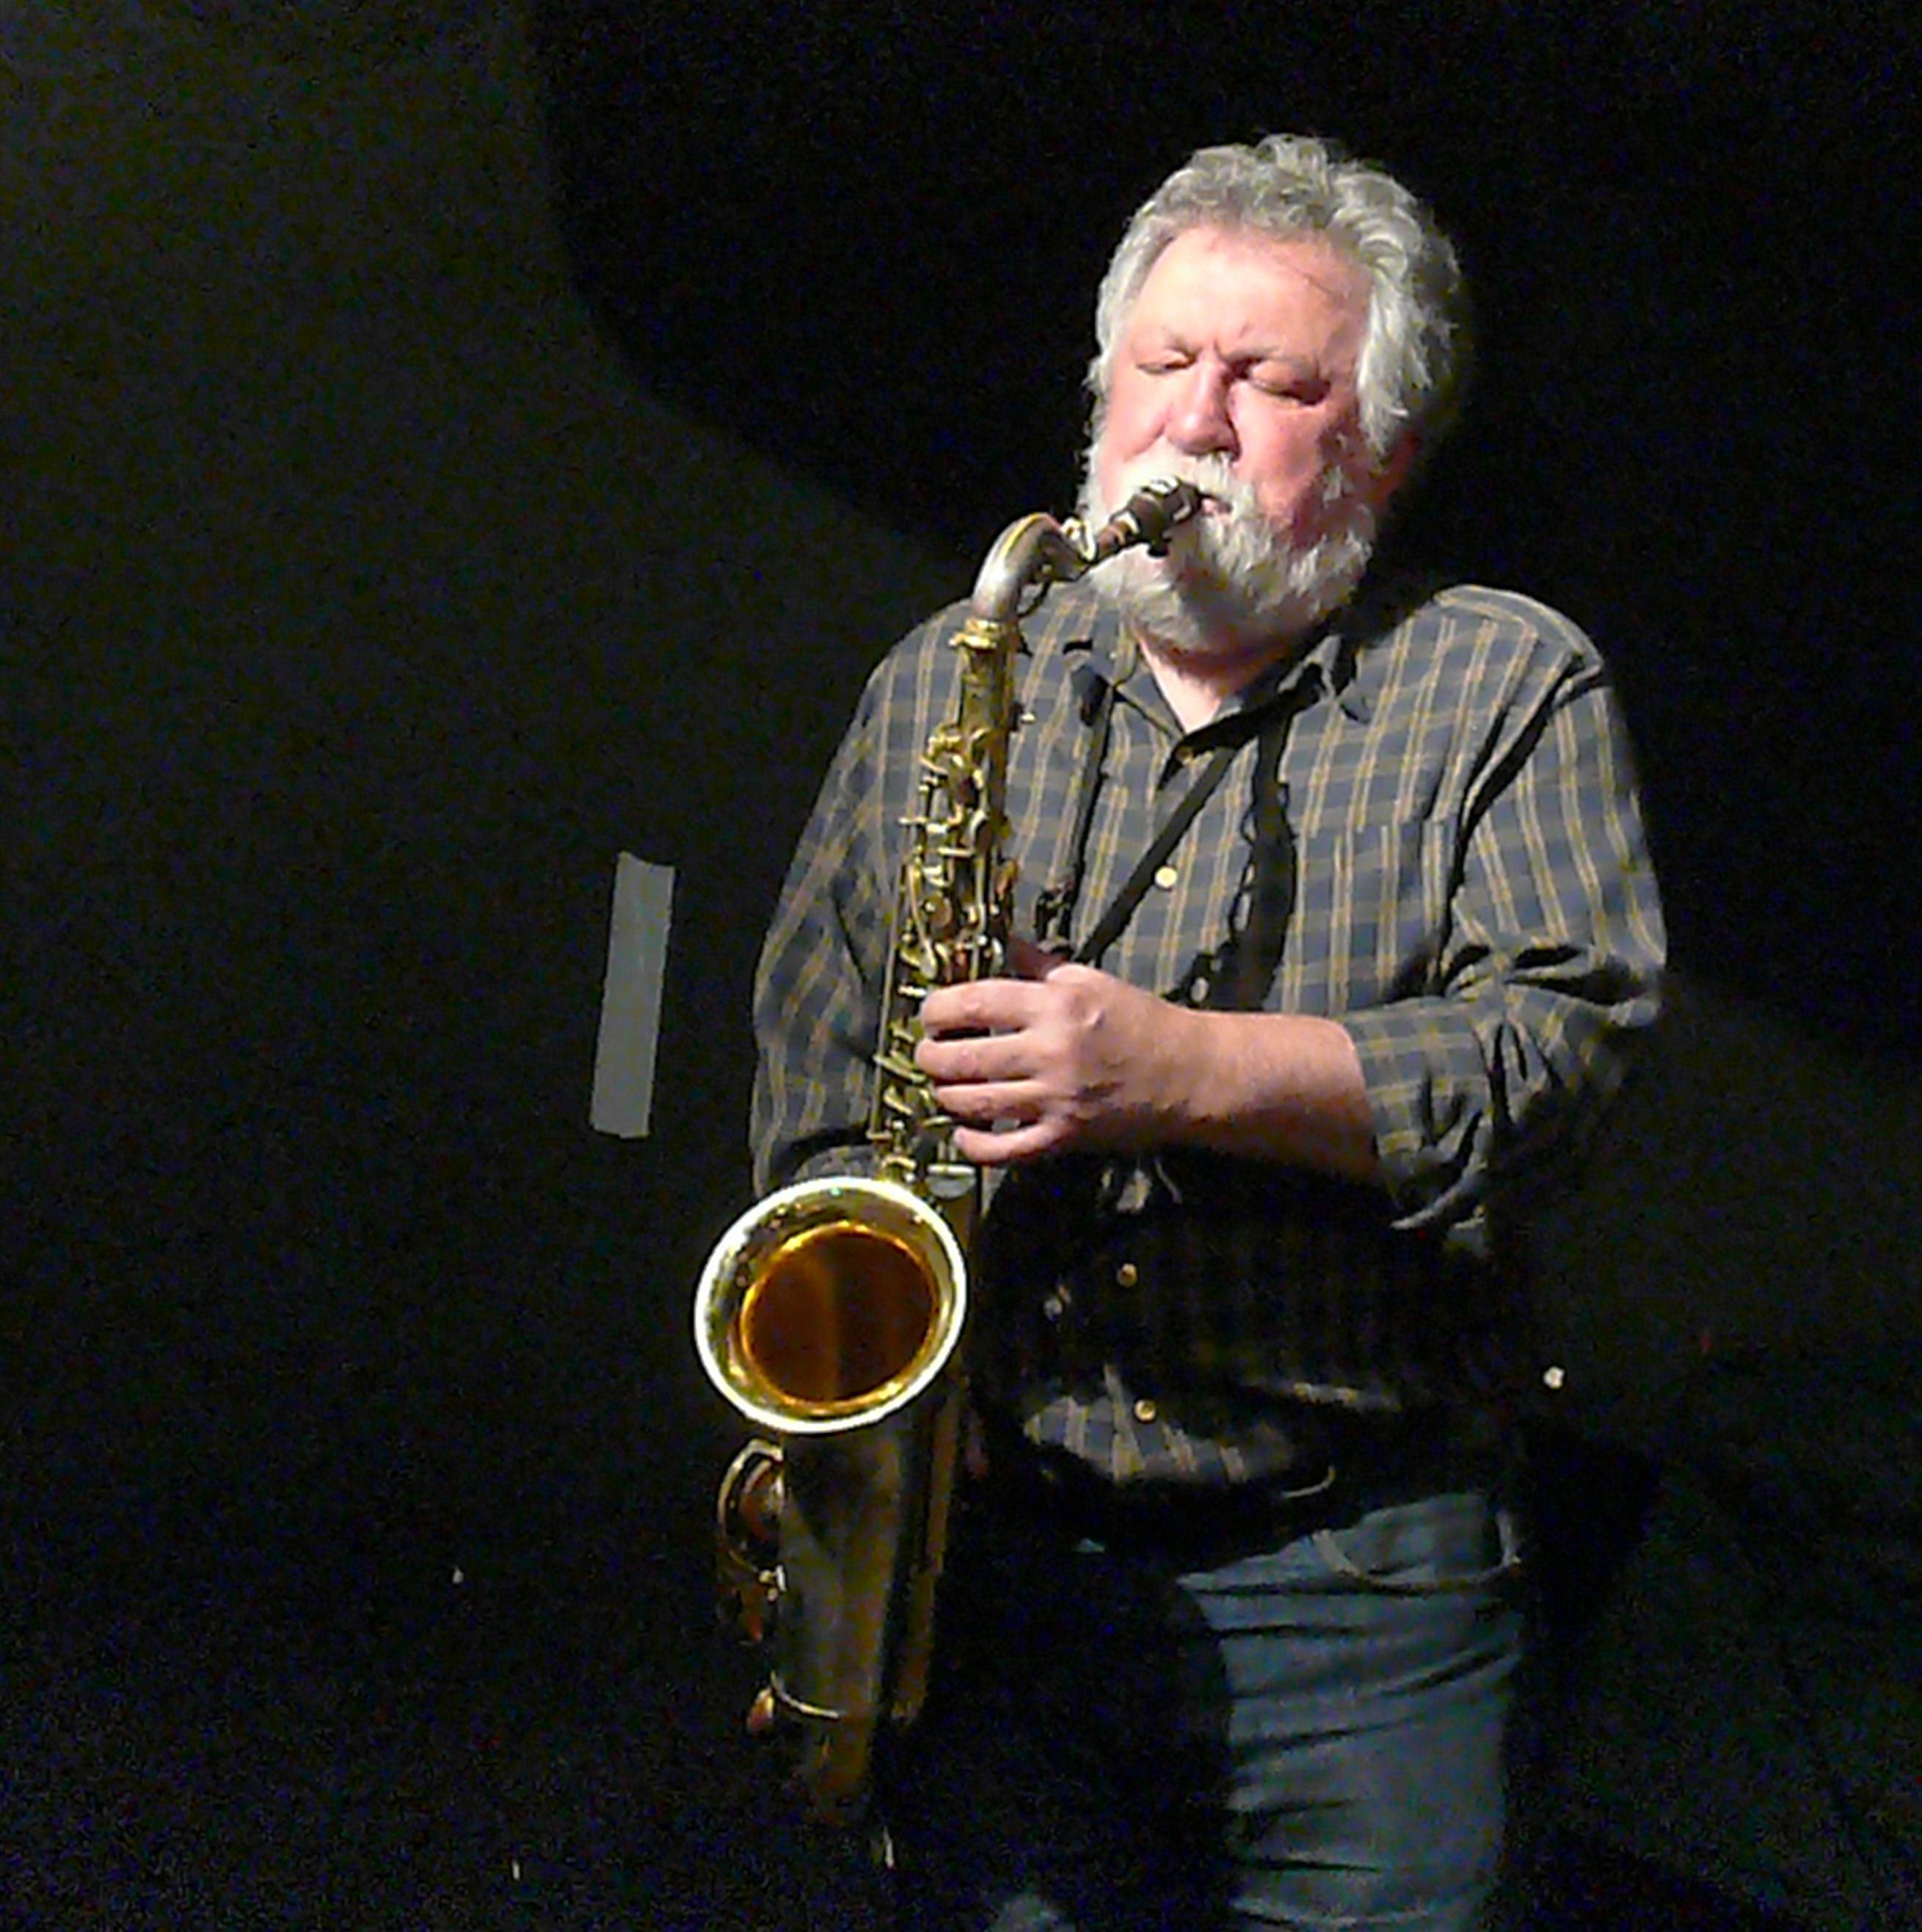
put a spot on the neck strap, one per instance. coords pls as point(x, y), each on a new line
point(1237, 973)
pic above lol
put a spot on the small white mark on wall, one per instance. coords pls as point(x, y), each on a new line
point(631, 997)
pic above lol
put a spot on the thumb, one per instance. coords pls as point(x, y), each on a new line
point(1027, 960)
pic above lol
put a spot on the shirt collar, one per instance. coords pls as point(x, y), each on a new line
point(1112, 657)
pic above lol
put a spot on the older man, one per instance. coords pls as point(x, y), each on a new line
point(1338, 919)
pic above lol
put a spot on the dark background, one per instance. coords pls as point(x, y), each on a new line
point(446, 445)
point(869, 244)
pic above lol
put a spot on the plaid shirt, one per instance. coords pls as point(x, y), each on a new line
point(1473, 901)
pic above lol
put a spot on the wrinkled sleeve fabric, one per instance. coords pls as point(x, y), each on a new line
point(1546, 967)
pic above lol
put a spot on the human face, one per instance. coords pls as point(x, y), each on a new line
point(1245, 347)
point(1236, 369)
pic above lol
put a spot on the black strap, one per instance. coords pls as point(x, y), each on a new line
point(1236, 977)
point(1055, 908)
point(1237, 973)
point(1115, 921)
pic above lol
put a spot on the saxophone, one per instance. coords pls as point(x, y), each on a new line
point(830, 1314)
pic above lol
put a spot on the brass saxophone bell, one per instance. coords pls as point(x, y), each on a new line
point(829, 1315)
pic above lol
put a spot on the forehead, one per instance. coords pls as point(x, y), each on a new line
point(1235, 288)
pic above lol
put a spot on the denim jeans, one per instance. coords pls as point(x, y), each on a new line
point(1121, 1738)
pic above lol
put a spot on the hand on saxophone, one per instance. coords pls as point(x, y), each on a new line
point(1054, 1057)
point(1059, 1057)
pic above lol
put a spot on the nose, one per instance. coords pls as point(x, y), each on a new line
point(1199, 422)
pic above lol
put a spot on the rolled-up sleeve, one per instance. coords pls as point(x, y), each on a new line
point(1547, 967)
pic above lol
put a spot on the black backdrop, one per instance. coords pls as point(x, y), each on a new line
point(391, 536)
point(867, 241)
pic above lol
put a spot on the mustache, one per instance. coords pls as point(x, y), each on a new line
point(1231, 572)
point(1213, 476)
point(1234, 538)
point(1240, 508)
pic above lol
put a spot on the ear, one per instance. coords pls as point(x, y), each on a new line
point(1392, 472)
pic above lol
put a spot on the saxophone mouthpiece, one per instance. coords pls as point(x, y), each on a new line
point(1156, 512)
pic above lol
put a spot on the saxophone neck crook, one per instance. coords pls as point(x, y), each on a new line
point(1037, 550)
point(1029, 554)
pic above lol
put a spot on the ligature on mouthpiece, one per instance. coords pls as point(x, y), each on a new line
point(1153, 514)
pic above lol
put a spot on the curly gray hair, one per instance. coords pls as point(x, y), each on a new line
point(1415, 352)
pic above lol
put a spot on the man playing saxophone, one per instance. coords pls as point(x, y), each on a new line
point(1335, 922)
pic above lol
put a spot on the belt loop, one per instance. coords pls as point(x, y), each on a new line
point(1508, 1561)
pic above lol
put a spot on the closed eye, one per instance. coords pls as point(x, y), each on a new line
point(1289, 385)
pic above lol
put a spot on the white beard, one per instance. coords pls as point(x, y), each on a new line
point(1230, 583)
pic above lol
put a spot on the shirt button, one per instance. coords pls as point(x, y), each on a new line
point(1127, 1274)
point(1165, 876)
point(1145, 1411)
